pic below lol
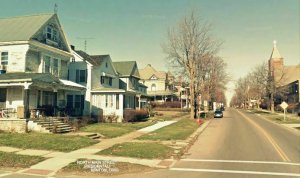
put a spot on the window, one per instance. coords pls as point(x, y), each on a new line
point(110, 81)
point(117, 101)
point(48, 98)
point(46, 64)
point(102, 79)
point(111, 100)
point(52, 34)
point(69, 101)
point(55, 67)
point(4, 58)
point(2, 94)
point(82, 75)
point(106, 65)
point(106, 101)
point(77, 101)
point(49, 32)
point(153, 87)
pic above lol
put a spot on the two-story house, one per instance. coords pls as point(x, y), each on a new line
point(103, 96)
point(34, 56)
point(129, 81)
point(159, 83)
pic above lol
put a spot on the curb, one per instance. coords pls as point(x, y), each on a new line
point(192, 139)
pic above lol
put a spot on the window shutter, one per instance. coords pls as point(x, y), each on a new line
point(77, 75)
point(86, 73)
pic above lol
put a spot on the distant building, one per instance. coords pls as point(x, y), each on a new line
point(159, 83)
point(286, 78)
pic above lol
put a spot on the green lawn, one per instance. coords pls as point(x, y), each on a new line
point(277, 118)
point(15, 160)
point(139, 150)
point(111, 130)
point(177, 131)
point(43, 141)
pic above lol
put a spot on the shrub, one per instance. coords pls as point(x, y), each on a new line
point(172, 109)
point(169, 104)
point(131, 115)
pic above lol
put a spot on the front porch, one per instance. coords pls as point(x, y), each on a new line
point(33, 95)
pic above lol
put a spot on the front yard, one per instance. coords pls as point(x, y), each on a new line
point(43, 141)
point(277, 118)
point(111, 130)
point(180, 130)
point(139, 150)
point(18, 161)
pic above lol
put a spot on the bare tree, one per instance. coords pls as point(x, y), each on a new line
point(188, 45)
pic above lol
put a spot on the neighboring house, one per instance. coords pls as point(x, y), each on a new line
point(159, 83)
point(34, 56)
point(129, 81)
point(286, 78)
point(103, 95)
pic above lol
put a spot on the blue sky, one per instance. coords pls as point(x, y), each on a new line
point(135, 29)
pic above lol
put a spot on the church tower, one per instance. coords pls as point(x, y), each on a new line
point(276, 63)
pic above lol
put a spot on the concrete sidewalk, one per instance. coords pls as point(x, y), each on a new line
point(50, 166)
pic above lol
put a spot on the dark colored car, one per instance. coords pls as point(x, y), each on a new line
point(222, 108)
point(218, 114)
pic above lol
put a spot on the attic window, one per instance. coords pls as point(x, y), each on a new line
point(52, 34)
point(106, 65)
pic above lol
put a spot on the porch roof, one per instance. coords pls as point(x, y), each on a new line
point(160, 93)
point(37, 79)
point(107, 90)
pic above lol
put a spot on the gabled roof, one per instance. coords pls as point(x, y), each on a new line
point(275, 53)
point(149, 71)
point(86, 57)
point(127, 68)
point(99, 58)
point(290, 74)
point(22, 28)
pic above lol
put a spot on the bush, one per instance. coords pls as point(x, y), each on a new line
point(169, 104)
point(172, 109)
point(131, 115)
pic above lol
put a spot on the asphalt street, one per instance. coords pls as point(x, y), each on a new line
point(242, 144)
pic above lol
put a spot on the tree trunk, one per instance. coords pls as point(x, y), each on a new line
point(192, 102)
point(272, 102)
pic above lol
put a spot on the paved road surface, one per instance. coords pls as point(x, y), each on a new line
point(241, 144)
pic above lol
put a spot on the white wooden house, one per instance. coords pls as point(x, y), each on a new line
point(97, 73)
point(34, 56)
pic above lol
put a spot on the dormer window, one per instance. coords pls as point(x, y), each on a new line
point(52, 34)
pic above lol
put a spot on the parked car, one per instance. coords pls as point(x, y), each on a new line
point(218, 114)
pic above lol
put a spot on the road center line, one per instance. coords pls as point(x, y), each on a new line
point(240, 161)
point(269, 138)
point(235, 172)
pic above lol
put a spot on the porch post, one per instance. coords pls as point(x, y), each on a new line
point(26, 104)
point(54, 101)
point(139, 96)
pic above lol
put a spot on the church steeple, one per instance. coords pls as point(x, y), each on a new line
point(275, 53)
point(275, 62)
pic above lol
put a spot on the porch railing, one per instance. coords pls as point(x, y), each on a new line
point(7, 113)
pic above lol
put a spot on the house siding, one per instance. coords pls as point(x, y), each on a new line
point(16, 57)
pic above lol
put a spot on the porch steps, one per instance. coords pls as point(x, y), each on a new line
point(54, 125)
point(94, 136)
